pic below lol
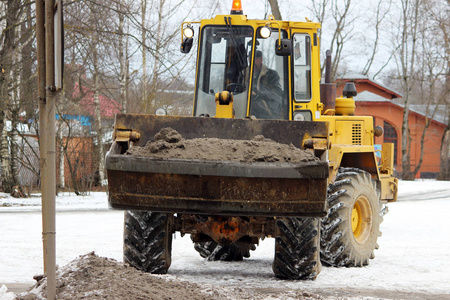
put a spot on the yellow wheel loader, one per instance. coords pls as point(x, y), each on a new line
point(255, 77)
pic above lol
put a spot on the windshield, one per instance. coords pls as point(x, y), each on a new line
point(270, 86)
point(222, 66)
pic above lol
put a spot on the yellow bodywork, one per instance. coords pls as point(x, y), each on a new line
point(310, 28)
point(351, 138)
point(352, 145)
point(224, 105)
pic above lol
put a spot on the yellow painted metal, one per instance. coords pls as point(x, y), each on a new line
point(316, 143)
point(345, 106)
point(355, 156)
point(355, 219)
point(188, 23)
point(344, 130)
point(224, 105)
point(387, 158)
point(315, 106)
point(361, 219)
point(127, 135)
point(389, 187)
point(351, 138)
point(352, 145)
point(309, 28)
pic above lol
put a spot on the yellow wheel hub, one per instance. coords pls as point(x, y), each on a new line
point(361, 219)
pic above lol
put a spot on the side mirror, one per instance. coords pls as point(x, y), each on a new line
point(161, 112)
point(186, 45)
point(283, 48)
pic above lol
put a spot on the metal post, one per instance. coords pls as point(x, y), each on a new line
point(47, 95)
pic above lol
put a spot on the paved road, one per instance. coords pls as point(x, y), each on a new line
point(424, 196)
point(412, 262)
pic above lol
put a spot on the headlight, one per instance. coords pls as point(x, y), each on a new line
point(161, 112)
point(188, 31)
point(265, 32)
point(302, 116)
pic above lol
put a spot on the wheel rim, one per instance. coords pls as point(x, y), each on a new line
point(361, 219)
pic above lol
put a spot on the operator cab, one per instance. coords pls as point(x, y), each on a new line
point(242, 57)
point(229, 56)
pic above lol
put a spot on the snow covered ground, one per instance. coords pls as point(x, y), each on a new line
point(413, 255)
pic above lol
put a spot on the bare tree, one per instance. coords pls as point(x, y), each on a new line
point(439, 14)
point(407, 38)
point(275, 9)
point(8, 59)
point(144, 50)
point(15, 90)
point(123, 59)
point(319, 9)
point(433, 72)
point(167, 63)
point(422, 69)
point(381, 13)
point(342, 18)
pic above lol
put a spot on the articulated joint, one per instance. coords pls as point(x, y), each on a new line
point(127, 135)
point(317, 143)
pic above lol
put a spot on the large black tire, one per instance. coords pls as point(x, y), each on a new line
point(234, 252)
point(147, 241)
point(297, 248)
point(351, 228)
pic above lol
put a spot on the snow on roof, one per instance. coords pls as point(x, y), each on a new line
point(441, 115)
point(354, 76)
point(370, 97)
point(108, 107)
point(357, 76)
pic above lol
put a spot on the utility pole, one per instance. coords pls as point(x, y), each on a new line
point(48, 86)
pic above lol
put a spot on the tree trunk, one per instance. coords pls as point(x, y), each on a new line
point(15, 135)
point(144, 55)
point(62, 183)
point(122, 60)
point(5, 161)
point(15, 91)
point(98, 117)
point(339, 37)
point(407, 74)
point(275, 9)
point(445, 151)
point(9, 55)
point(4, 148)
point(157, 55)
point(445, 142)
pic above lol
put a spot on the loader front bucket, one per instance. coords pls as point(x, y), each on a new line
point(216, 187)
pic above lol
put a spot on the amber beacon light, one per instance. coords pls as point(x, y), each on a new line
point(236, 8)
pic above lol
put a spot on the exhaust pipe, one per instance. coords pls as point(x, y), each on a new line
point(328, 89)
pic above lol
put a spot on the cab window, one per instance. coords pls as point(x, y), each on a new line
point(269, 85)
point(222, 65)
point(302, 67)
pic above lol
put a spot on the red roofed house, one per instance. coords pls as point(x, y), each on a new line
point(80, 163)
point(375, 100)
point(108, 107)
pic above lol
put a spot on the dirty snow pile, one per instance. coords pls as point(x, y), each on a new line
point(4, 294)
point(93, 277)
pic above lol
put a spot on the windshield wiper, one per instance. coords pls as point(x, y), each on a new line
point(242, 59)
